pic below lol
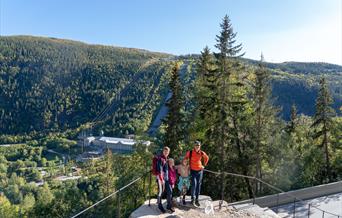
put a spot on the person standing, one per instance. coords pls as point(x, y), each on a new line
point(195, 156)
point(171, 183)
point(163, 179)
point(183, 170)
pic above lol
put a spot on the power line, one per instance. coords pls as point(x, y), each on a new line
point(111, 105)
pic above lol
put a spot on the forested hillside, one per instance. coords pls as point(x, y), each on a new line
point(55, 84)
point(51, 89)
point(297, 83)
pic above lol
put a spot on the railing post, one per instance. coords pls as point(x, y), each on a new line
point(277, 202)
point(144, 186)
point(254, 193)
point(309, 211)
point(222, 189)
point(294, 208)
point(118, 210)
point(149, 189)
point(323, 214)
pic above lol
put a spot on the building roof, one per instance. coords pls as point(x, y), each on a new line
point(111, 140)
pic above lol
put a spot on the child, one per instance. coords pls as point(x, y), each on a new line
point(172, 180)
point(184, 179)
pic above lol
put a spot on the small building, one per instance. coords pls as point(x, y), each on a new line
point(85, 141)
point(90, 155)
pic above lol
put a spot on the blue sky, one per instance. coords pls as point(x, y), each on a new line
point(283, 30)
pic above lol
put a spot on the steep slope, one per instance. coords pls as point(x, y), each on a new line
point(297, 83)
point(50, 83)
point(55, 84)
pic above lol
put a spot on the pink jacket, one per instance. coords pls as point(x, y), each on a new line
point(172, 176)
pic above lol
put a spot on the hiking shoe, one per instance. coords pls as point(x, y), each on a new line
point(171, 209)
point(193, 202)
point(197, 204)
point(161, 208)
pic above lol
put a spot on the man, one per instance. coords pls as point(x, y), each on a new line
point(196, 170)
point(163, 180)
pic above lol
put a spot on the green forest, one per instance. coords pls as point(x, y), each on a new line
point(278, 122)
point(53, 84)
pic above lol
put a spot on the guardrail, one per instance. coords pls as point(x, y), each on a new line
point(276, 200)
point(280, 198)
point(118, 195)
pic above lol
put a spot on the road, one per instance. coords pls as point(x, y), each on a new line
point(163, 109)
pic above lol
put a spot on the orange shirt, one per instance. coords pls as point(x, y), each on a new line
point(196, 159)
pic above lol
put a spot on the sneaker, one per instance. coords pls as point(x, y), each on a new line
point(197, 204)
point(171, 209)
point(193, 202)
point(161, 208)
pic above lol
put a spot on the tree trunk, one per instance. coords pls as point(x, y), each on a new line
point(240, 153)
point(326, 152)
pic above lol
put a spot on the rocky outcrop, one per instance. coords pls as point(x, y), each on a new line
point(208, 209)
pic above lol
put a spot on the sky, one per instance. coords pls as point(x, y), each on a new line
point(283, 30)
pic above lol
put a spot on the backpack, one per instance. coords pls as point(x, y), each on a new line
point(154, 165)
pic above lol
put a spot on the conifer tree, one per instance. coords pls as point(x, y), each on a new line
point(205, 83)
point(205, 90)
point(174, 119)
point(264, 115)
point(293, 119)
point(225, 61)
point(323, 124)
point(109, 171)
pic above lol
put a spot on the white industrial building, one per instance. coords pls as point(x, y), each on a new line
point(119, 145)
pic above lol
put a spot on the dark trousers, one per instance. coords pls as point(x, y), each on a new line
point(196, 182)
point(168, 190)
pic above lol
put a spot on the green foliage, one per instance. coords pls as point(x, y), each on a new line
point(174, 120)
point(323, 123)
point(58, 143)
point(6, 209)
point(51, 84)
point(237, 121)
point(64, 199)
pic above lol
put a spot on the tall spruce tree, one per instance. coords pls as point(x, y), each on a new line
point(174, 119)
point(205, 83)
point(293, 119)
point(264, 116)
point(228, 51)
point(323, 124)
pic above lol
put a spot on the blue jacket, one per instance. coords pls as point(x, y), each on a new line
point(163, 167)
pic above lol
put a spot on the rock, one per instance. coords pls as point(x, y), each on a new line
point(152, 211)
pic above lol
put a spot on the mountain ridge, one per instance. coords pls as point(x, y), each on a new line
point(56, 83)
point(61, 40)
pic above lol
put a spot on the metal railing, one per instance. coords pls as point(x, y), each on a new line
point(147, 194)
point(296, 200)
point(118, 192)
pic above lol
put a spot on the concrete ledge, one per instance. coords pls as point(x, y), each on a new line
point(289, 197)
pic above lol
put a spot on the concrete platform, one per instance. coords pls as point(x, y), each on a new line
point(204, 211)
point(331, 203)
